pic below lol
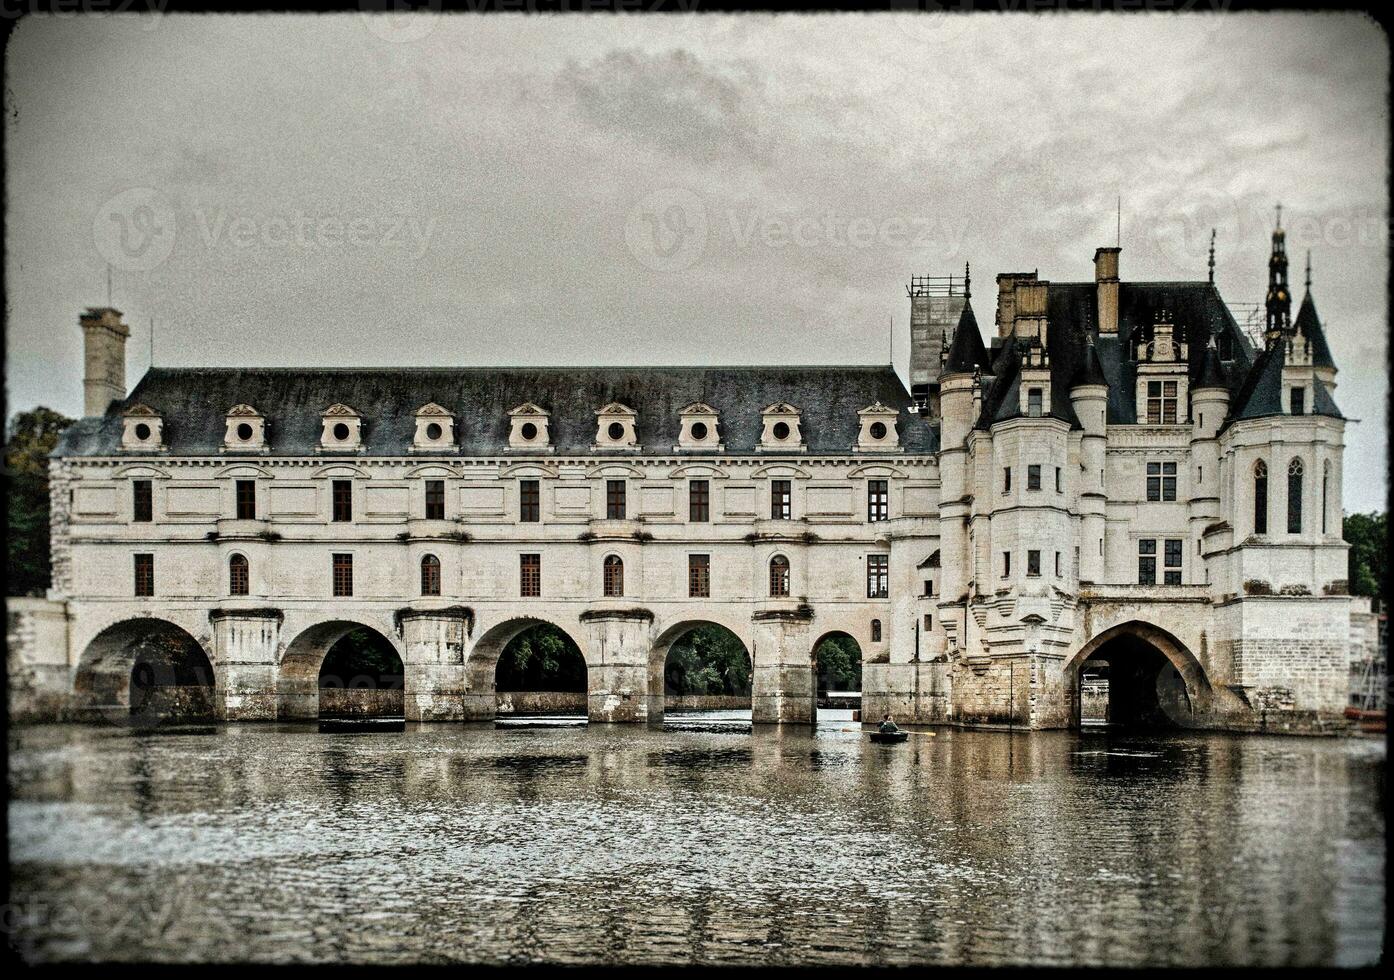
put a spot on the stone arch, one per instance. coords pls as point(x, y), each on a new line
point(297, 679)
point(668, 636)
point(481, 665)
point(819, 672)
point(142, 670)
point(1193, 682)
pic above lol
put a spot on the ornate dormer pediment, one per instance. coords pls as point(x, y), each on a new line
point(781, 430)
point(246, 430)
point(698, 428)
point(342, 429)
point(878, 429)
point(616, 408)
point(435, 430)
point(142, 429)
point(528, 428)
point(434, 410)
point(1164, 346)
point(338, 410)
point(615, 427)
point(243, 411)
point(530, 409)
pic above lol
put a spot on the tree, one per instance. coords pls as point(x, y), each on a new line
point(542, 658)
point(708, 660)
point(362, 653)
point(1365, 534)
point(839, 661)
point(31, 437)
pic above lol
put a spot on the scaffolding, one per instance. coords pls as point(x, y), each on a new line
point(935, 286)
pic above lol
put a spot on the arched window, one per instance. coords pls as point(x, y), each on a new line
point(1325, 490)
point(876, 631)
point(1295, 497)
point(238, 576)
point(614, 576)
point(779, 576)
point(1260, 497)
point(430, 575)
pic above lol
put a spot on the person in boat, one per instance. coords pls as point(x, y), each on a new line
point(888, 726)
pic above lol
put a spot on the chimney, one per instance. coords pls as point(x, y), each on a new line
point(1106, 280)
point(104, 358)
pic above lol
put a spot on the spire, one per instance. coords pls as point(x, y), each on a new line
point(1278, 301)
point(1090, 372)
point(967, 353)
point(1212, 372)
point(968, 278)
point(1212, 256)
point(1308, 284)
point(1308, 324)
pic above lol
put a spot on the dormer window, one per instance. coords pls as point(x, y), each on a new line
point(246, 430)
point(528, 428)
point(781, 429)
point(1161, 378)
point(877, 428)
point(1033, 403)
point(615, 427)
point(1297, 401)
point(698, 429)
point(342, 430)
point(143, 429)
point(435, 430)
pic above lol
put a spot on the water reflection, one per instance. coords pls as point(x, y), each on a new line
point(627, 844)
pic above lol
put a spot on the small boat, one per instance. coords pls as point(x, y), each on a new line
point(889, 738)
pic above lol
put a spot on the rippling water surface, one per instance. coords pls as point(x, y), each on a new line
point(705, 842)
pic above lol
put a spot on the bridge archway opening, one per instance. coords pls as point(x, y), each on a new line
point(837, 673)
point(1136, 677)
point(532, 667)
point(145, 671)
point(341, 669)
point(701, 665)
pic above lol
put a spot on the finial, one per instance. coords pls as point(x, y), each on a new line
point(1212, 256)
point(1309, 270)
point(967, 281)
point(1280, 216)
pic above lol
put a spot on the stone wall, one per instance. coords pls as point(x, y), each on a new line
point(360, 702)
point(36, 659)
point(541, 703)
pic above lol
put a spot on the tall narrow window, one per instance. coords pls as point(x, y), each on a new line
point(342, 491)
point(1059, 486)
point(246, 494)
point(1325, 488)
point(1033, 562)
point(142, 505)
point(343, 574)
point(1057, 564)
point(876, 631)
point(435, 500)
point(145, 575)
point(878, 576)
point(1298, 401)
point(430, 575)
point(878, 500)
point(1006, 479)
point(1171, 564)
point(779, 576)
point(1006, 563)
point(530, 576)
point(529, 501)
point(238, 576)
point(1033, 476)
point(1161, 402)
point(613, 575)
point(1033, 402)
point(1295, 497)
point(699, 576)
point(699, 501)
point(1147, 561)
point(781, 500)
point(615, 508)
point(1161, 481)
point(1260, 497)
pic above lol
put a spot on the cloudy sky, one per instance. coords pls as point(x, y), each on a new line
point(345, 190)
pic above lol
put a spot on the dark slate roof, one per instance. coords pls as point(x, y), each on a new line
point(967, 352)
point(194, 403)
point(1309, 325)
point(1090, 371)
point(1212, 370)
point(1261, 394)
point(1194, 308)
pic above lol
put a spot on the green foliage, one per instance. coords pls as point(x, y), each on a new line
point(1366, 536)
point(542, 658)
point(361, 653)
point(709, 660)
point(31, 437)
point(839, 660)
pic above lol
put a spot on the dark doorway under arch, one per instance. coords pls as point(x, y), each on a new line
point(148, 672)
point(837, 667)
point(1128, 683)
point(541, 671)
point(706, 668)
point(361, 677)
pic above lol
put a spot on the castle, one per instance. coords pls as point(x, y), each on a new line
point(1121, 481)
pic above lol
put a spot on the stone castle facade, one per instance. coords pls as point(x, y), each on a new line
point(1120, 476)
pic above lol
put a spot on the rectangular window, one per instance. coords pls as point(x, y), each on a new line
point(1033, 477)
point(1059, 486)
point(1147, 561)
point(1299, 401)
point(145, 575)
point(435, 500)
point(343, 574)
point(878, 500)
point(1057, 564)
point(529, 501)
point(781, 500)
point(878, 576)
point(699, 576)
point(615, 508)
point(1033, 562)
point(928, 622)
point(246, 498)
point(1006, 479)
point(1161, 403)
point(1033, 402)
point(142, 503)
point(699, 501)
point(1171, 565)
point(929, 586)
point(1161, 481)
point(342, 491)
point(530, 576)
point(1006, 563)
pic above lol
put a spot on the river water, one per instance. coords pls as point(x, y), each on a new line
point(704, 842)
